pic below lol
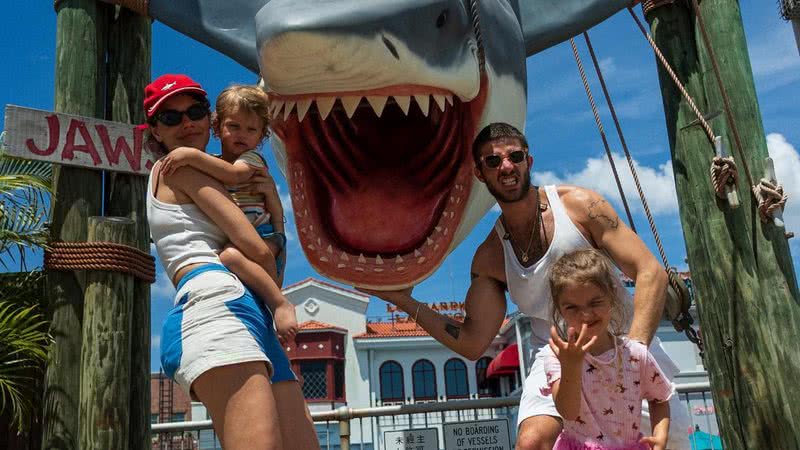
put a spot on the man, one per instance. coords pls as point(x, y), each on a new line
point(537, 226)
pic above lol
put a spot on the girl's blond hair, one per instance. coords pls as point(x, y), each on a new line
point(241, 97)
point(587, 266)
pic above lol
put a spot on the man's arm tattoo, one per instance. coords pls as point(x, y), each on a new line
point(452, 330)
point(599, 216)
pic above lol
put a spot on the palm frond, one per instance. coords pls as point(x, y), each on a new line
point(23, 343)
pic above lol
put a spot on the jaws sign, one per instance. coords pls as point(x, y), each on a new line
point(76, 141)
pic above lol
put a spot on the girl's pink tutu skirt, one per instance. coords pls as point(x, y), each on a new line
point(567, 442)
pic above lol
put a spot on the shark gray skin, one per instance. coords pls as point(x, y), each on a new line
point(375, 106)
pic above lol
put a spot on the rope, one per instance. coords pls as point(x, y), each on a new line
point(771, 198)
point(649, 5)
point(684, 320)
point(723, 173)
point(602, 132)
point(678, 84)
point(106, 256)
point(725, 99)
point(476, 26)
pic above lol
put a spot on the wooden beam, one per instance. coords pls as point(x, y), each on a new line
point(746, 289)
point(105, 355)
point(129, 72)
point(80, 82)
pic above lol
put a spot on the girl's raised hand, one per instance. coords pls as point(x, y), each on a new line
point(571, 351)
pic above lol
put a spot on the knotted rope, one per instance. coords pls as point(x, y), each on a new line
point(771, 198)
point(723, 173)
point(106, 256)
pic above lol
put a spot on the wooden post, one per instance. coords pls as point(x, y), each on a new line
point(80, 72)
point(105, 356)
point(746, 290)
point(129, 72)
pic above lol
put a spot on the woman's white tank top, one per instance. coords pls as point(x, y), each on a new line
point(183, 234)
point(528, 287)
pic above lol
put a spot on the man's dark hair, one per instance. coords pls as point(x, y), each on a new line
point(494, 131)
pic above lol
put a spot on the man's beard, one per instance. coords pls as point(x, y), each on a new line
point(508, 198)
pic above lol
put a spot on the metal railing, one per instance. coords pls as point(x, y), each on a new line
point(343, 416)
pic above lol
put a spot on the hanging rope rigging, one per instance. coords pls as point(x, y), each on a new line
point(679, 313)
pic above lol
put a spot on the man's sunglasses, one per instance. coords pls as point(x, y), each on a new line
point(172, 117)
point(494, 161)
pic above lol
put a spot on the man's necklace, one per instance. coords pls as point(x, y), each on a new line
point(537, 220)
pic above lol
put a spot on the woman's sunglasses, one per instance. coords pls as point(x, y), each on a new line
point(172, 117)
point(494, 161)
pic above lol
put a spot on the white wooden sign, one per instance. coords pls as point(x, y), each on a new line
point(76, 141)
point(416, 439)
point(477, 435)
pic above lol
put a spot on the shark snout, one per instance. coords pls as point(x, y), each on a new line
point(347, 46)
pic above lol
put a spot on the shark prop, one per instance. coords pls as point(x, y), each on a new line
point(376, 104)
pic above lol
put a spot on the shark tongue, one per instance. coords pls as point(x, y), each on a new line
point(387, 218)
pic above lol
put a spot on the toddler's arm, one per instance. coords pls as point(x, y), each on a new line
point(225, 172)
point(659, 418)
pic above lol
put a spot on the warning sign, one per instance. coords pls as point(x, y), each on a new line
point(478, 435)
point(417, 439)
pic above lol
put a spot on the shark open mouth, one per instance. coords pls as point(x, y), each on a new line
point(379, 179)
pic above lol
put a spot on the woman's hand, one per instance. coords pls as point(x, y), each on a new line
point(570, 352)
point(654, 442)
point(285, 322)
point(179, 157)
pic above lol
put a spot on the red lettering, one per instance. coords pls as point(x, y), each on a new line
point(53, 128)
point(134, 157)
point(453, 306)
point(70, 148)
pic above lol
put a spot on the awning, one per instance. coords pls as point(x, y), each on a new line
point(505, 363)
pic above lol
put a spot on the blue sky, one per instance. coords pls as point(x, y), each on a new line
point(560, 127)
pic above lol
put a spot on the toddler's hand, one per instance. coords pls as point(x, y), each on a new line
point(285, 322)
point(177, 158)
point(571, 351)
point(654, 442)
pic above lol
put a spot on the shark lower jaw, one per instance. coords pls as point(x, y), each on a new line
point(379, 180)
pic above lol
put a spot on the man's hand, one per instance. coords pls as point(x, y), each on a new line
point(571, 352)
point(285, 322)
point(181, 156)
point(393, 297)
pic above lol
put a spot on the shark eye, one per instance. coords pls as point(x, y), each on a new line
point(442, 19)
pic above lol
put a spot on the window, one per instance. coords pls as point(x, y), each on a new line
point(338, 379)
point(178, 417)
point(153, 418)
point(315, 384)
point(423, 376)
point(391, 375)
point(455, 379)
point(487, 387)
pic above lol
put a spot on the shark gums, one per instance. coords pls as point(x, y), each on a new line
point(376, 104)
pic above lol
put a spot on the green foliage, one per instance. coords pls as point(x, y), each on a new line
point(25, 188)
point(23, 345)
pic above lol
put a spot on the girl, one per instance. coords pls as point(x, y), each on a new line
point(241, 122)
point(598, 378)
point(217, 342)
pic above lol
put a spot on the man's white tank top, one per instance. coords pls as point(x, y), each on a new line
point(183, 234)
point(528, 287)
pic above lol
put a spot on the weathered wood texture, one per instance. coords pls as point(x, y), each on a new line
point(129, 72)
point(746, 290)
point(80, 71)
point(105, 355)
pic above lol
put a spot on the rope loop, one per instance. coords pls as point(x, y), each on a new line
point(771, 199)
point(105, 256)
point(723, 173)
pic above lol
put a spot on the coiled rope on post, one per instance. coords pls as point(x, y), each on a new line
point(105, 256)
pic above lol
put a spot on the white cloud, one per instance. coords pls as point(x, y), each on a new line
point(787, 166)
point(658, 183)
point(155, 341)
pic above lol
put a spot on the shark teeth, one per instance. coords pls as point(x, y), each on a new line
point(350, 103)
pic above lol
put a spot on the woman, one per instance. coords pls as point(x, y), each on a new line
point(218, 342)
